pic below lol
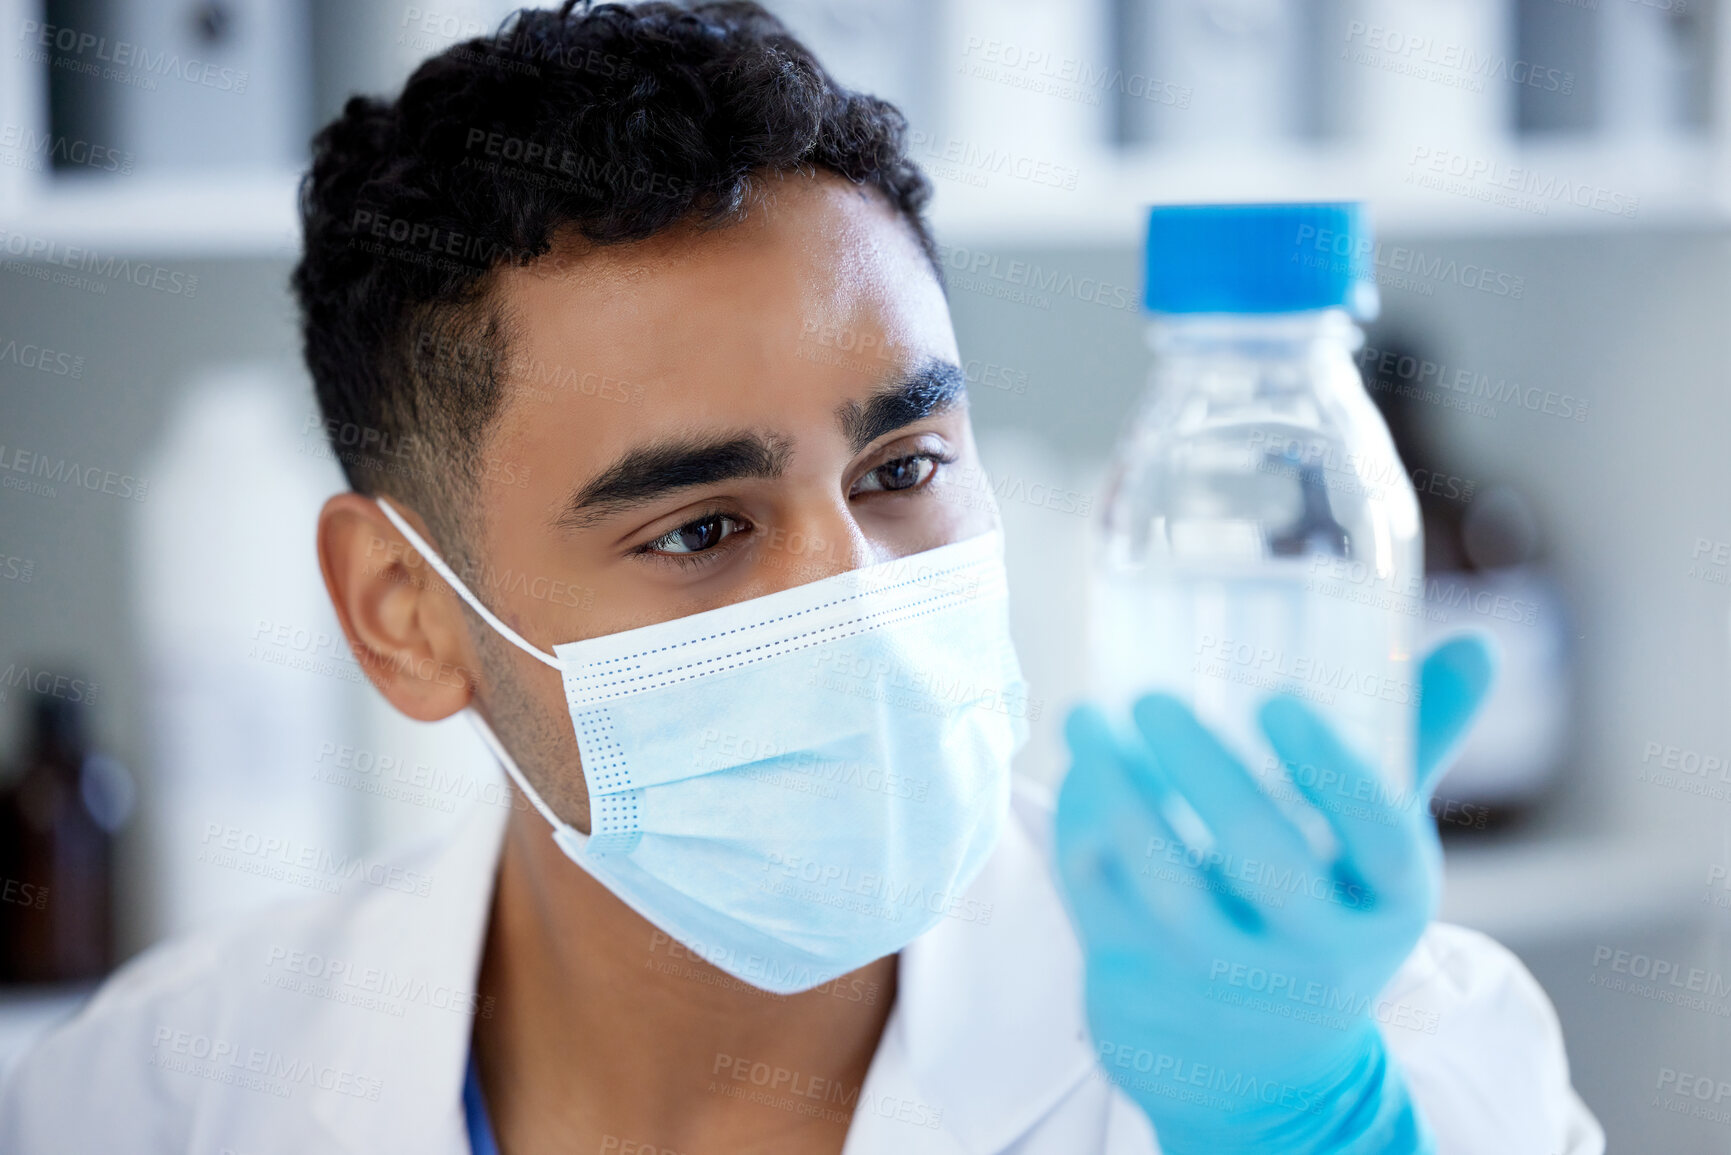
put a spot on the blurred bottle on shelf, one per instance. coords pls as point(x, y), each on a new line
point(1215, 72)
point(1642, 70)
point(57, 825)
point(169, 85)
point(1484, 570)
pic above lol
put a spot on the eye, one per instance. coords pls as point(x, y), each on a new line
point(909, 472)
point(698, 536)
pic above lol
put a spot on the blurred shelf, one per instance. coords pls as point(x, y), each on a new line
point(1092, 196)
point(1533, 888)
point(1534, 187)
point(191, 215)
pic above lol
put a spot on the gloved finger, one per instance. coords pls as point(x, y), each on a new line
point(1374, 823)
point(1244, 822)
point(1454, 682)
point(1114, 848)
point(1193, 854)
point(1090, 733)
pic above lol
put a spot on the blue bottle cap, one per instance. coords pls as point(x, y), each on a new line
point(1268, 258)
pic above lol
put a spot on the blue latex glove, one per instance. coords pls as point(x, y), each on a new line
point(1232, 983)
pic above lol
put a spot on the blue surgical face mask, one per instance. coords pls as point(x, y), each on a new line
point(795, 785)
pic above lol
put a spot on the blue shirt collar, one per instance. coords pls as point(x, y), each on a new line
point(475, 1112)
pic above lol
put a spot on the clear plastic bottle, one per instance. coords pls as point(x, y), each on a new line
point(1260, 534)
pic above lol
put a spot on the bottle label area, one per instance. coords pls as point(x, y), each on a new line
point(1225, 641)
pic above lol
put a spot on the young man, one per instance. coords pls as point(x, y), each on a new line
point(715, 594)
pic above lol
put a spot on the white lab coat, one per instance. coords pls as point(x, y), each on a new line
point(226, 1043)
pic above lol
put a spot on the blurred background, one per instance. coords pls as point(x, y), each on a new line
point(1551, 182)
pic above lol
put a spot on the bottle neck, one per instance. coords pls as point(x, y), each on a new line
point(1252, 334)
point(1255, 359)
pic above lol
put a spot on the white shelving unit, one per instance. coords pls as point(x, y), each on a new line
point(1525, 888)
point(1512, 189)
point(1530, 189)
point(215, 214)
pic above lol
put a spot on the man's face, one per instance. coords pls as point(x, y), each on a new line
point(708, 417)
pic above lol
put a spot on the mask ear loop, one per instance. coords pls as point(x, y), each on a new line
point(563, 832)
point(571, 840)
point(439, 567)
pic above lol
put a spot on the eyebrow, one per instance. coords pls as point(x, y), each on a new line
point(653, 471)
point(932, 388)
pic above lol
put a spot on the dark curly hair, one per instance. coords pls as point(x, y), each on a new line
point(616, 121)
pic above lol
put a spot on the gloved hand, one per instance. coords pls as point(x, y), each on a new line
point(1233, 976)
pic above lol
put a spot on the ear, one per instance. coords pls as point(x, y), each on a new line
point(404, 624)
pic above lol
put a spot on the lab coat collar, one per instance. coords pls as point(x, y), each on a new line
point(434, 939)
point(986, 1036)
point(988, 1026)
